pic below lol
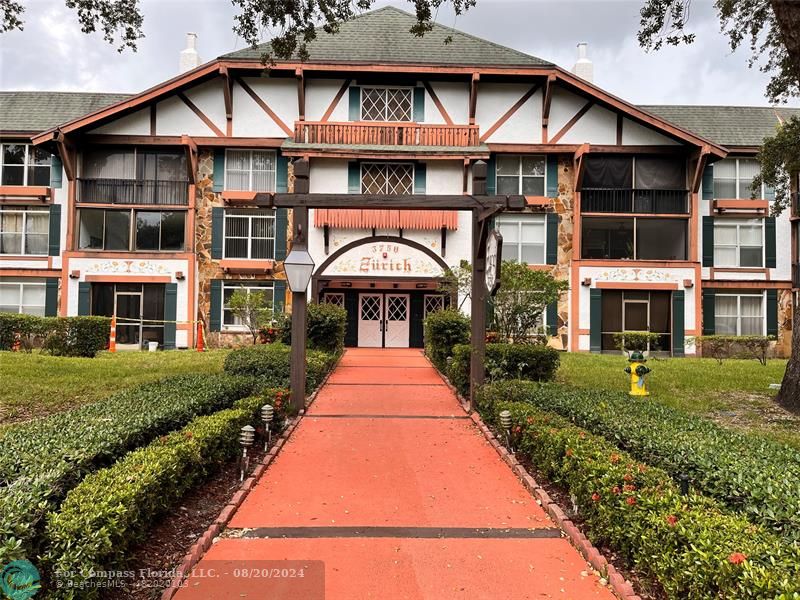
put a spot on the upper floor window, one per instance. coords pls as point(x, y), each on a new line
point(520, 175)
point(387, 178)
point(733, 178)
point(386, 104)
point(24, 164)
point(739, 242)
point(133, 176)
point(250, 170)
point(634, 238)
point(22, 296)
point(249, 233)
point(126, 230)
point(739, 314)
point(523, 238)
point(24, 230)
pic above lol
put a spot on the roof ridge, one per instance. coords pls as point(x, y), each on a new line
point(65, 92)
point(762, 107)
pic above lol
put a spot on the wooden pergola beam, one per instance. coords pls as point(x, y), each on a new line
point(473, 96)
point(387, 202)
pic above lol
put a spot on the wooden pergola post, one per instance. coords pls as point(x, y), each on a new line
point(478, 331)
point(297, 377)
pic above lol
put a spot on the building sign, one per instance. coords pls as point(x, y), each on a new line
point(494, 258)
point(384, 259)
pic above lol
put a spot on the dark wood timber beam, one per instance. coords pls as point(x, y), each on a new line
point(702, 161)
point(580, 164)
point(175, 140)
point(438, 103)
point(473, 97)
point(547, 100)
point(68, 154)
point(191, 157)
point(376, 201)
point(227, 94)
point(301, 94)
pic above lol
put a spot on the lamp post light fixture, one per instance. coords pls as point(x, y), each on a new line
point(247, 436)
point(299, 267)
point(505, 423)
point(267, 414)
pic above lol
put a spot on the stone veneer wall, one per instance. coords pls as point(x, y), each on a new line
point(783, 347)
point(563, 207)
point(208, 268)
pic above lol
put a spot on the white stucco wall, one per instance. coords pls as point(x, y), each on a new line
point(250, 120)
point(495, 99)
point(319, 95)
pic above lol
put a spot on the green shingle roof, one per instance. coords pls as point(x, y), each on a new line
point(382, 36)
point(726, 125)
point(33, 112)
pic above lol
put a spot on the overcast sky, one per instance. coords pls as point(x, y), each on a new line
point(53, 54)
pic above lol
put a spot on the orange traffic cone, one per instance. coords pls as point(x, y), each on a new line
point(112, 338)
point(200, 342)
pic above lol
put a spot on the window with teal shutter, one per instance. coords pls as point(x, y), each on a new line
point(595, 320)
point(282, 175)
point(678, 323)
point(420, 172)
point(84, 297)
point(708, 241)
point(51, 297)
point(709, 312)
point(215, 308)
point(55, 171)
point(279, 302)
point(419, 104)
point(281, 224)
point(355, 103)
point(170, 314)
point(218, 175)
point(54, 237)
point(552, 318)
point(770, 243)
point(217, 231)
point(552, 176)
point(491, 176)
point(353, 177)
point(708, 182)
point(772, 312)
point(551, 257)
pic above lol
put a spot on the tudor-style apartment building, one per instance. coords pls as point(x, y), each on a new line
point(148, 206)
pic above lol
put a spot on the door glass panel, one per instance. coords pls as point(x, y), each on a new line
point(397, 308)
point(128, 308)
point(370, 308)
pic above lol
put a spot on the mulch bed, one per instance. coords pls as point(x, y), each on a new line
point(170, 538)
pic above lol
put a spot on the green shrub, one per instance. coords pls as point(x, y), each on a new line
point(111, 509)
point(31, 329)
point(61, 336)
point(325, 327)
point(689, 544)
point(748, 473)
point(271, 364)
point(444, 329)
point(637, 341)
point(534, 362)
point(735, 346)
point(41, 460)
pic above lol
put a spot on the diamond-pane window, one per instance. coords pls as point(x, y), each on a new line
point(433, 303)
point(370, 308)
point(397, 309)
point(387, 178)
point(334, 298)
point(386, 104)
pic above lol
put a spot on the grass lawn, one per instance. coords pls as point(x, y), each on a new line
point(735, 393)
point(38, 384)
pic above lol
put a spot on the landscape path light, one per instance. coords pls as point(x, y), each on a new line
point(247, 436)
point(505, 423)
point(267, 414)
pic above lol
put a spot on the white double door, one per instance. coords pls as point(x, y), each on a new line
point(383, 320)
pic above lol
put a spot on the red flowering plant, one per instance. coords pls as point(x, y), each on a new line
point(281, 403)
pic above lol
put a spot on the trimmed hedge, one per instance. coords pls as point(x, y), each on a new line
point(445, 329)
point(40, 461)
point(271, 364)
point(748, 473)
point(534, 362)
point(689, 544)
point(61, 336)
point(112, 508)
point(325, 327)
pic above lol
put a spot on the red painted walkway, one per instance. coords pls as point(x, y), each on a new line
point(386, 490)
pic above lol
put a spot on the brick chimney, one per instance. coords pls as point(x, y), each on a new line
point(584, 68)
point(189, 58)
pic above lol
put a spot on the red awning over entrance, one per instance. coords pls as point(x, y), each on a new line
point(386, 219)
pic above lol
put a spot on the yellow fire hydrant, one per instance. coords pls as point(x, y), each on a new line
point(637, 370)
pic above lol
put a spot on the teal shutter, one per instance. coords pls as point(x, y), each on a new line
point(419, 104)
point(708, 182)
point(595, 320)
point(217, 231)
point(678, 323)
point(84, 296)
point(215, 310)
point(353, 177)
point(420, 171)
point(491, 176)
point(552, 176)
point(770, 245)
point(54, 238)
point(219, 170)
point(51, 297)
point(281, 224)
point(708, 241)
point(355, 103)
point(170, 314)
point(282, 175)
point(772, 312)
point(417, 309)
point(552, 318)
point(279, 296)
point(55, 171)
point(551, 234)
point(709, 312)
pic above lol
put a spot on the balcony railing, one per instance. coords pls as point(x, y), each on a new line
point(133, 191)
point(605, 200)
point(386, 134)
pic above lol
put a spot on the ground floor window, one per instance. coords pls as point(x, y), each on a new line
point(433, 303)
point(333, 298)
point(739, 314)
point(139, 309)
point(634, 310)
point(22, 296)
point(230, 321)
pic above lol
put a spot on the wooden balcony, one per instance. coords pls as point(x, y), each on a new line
point(386, 134)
